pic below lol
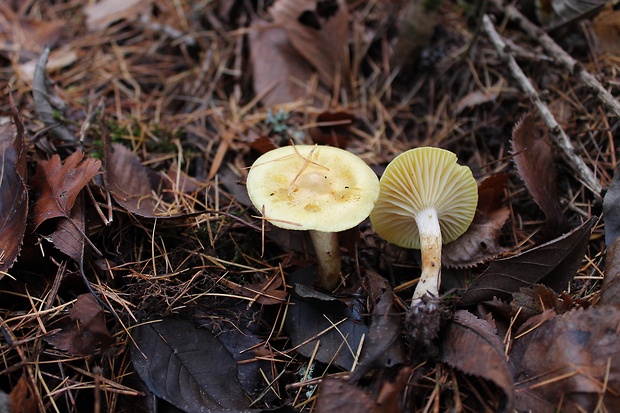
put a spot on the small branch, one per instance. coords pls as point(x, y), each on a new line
point(557, 133)
point(552, 48)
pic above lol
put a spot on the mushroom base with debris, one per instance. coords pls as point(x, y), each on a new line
point(423, 322)
point(425, 199)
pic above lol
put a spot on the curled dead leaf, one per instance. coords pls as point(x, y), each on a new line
point(13, 190)
point(480, 242)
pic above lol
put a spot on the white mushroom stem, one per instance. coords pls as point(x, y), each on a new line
point(430, 243)
point(327, 250)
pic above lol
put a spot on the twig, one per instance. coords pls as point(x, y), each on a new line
point(552, 48)
point(557, 133)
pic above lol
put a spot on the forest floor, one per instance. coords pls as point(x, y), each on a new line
point(136, 275)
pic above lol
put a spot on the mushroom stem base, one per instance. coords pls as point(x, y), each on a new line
point(327, 250)
point(430, 243)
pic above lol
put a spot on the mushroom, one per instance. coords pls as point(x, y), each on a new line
point(317, 188)
point(426, 198)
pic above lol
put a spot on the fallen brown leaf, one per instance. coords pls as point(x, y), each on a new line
point(59, 184)
point(383, 346)
point(47, 102)
point(530, 302)
point(465, 335)
point(536, 166)
point(553, 264)
point(610, 291)
point(480, 242)
point(611, 210)
point(479, 97)
point(279, 72)
point(332, 129)
point(13, 190)
point(336, 395)
point(563, 12)
point(26, 36)
point(607, 26)
point(22, 399)
point(188, 367)
point(86, 329)
point(262, 144)
point(568, 363)
point(128, 181)
point(68, 235)
point(319, 34)
point(416, 24)
point(268, 292)
point(105, 12)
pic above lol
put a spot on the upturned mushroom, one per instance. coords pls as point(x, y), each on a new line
point(318, 188)
point(425, 199)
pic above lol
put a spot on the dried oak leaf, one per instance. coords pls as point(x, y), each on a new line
point(86, 329)
point(59, 184)
point(318, 33)
point(13, 190)
point(568, 363)
point(467, 335)
point(480, 242)
point(553, 264)
point(536, 166)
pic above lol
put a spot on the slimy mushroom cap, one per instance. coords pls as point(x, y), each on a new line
point(312, 187)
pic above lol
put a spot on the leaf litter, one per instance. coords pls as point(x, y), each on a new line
point(14, 199)
point(177, 98)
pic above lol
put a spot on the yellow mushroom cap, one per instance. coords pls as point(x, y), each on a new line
point(419, 179)
point(312, 187)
